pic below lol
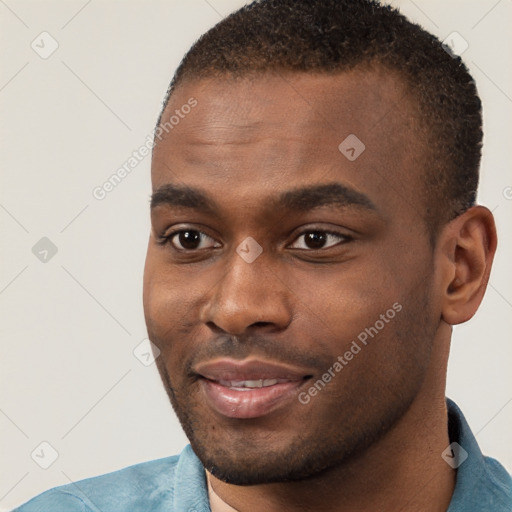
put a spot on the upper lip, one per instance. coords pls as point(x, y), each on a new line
point(252, 369)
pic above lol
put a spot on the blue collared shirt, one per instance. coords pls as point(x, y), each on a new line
point(178, 484)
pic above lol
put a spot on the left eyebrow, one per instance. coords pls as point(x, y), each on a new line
point(308, 198)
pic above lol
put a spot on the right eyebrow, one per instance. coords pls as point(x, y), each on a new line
point(186, 197)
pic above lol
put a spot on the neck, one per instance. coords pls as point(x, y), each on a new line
point(402, 471)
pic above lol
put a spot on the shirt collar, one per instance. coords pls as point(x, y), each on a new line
point(190, 492)
point(481, 481)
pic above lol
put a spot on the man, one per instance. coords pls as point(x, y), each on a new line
point(314, 238)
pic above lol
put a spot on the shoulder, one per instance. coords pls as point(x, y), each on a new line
point(498, 483)
point(144, 486)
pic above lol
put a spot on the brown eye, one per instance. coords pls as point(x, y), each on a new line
point(316, 240)
point(190, 240)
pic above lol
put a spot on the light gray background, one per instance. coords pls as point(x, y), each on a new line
point(69, 325)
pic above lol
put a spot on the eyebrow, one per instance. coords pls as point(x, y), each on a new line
point(298, 199)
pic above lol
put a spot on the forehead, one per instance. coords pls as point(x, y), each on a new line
point(270, 132)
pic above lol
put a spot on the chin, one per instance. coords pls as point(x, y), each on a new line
point(241, 463)
point(257, 474)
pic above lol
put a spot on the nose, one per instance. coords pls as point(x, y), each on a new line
point(248, 296)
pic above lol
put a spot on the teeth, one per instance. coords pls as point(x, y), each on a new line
point(261, 383)
point(249, 384)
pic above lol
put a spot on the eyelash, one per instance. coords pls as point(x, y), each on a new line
point(167, 239)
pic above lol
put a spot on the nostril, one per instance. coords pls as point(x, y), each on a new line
point(261, 324)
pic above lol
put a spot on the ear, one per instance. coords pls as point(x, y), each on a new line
point(467, 244)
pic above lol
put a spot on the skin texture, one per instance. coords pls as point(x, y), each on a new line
point(372, 438)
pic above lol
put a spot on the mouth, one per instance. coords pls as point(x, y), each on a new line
point(249, 389)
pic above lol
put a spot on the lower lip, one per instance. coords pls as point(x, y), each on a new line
point(249, 403)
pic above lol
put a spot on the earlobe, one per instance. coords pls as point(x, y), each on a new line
point(469, 246)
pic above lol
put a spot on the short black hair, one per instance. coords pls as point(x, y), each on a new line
point(329, 36)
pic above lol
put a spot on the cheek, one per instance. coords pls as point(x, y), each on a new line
point(171, 310)
point(163, 299)
point(347, 300)
point(164, 308)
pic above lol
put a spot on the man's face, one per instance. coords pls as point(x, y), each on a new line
point(345, 274)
